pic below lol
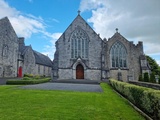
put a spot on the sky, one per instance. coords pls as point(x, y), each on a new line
point(42, 22)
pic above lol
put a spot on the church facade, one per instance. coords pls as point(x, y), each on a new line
point(82, 54)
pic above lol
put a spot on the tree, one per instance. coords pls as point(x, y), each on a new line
point(153, 64)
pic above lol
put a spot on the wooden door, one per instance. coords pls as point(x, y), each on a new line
point(20, 71)
point(79, 72)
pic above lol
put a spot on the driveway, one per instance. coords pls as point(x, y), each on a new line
point(66, 86)
point(3, 80)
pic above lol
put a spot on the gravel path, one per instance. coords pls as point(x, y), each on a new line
point(66, 86)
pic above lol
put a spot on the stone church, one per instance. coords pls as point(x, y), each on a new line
point(17, 59)
point(82, 54)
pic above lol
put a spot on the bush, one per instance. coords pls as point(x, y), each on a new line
point(26, 78)
point(146, 77)
point(37, 77)
point(140, 77)
point(28, 75)
point(26, 82)
point(148, 100)
point(152, 78)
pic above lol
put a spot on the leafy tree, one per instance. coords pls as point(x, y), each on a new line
point(153, 64)
point(159, 80)
point(146, 77)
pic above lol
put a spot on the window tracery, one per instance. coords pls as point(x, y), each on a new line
point(79, 44)
point(118, 55)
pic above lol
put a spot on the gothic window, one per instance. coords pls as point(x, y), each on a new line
point(118, 55)
point(79, 44)
point(5, 50)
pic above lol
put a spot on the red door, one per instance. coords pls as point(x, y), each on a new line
point(20, 71)
point(79, 72)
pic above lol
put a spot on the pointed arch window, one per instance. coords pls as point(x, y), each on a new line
point(118, 55)
point(5, 50)
point(79, 44)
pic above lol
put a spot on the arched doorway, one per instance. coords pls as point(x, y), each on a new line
point(79, 72)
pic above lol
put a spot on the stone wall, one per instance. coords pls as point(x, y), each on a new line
point(8, 49)
point(63, 52)
point(29, 62)
point(42, 70)
point(145, 84)
point(133, 68)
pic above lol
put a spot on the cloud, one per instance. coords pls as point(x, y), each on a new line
point(27, 24)
point(50, 49)
point(136, 20)
point(158, 61)
point(24, 24)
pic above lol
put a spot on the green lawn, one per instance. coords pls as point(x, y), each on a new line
point(19, 104)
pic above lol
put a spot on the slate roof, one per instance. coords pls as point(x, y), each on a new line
point(39, 57)
point(42, 59)
point(23, 50)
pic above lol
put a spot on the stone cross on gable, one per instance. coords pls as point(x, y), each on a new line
point(79, 12)
point(116, 29)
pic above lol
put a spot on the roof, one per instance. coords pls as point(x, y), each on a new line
point(23, 49)
point(39, 57)
point(42, 59)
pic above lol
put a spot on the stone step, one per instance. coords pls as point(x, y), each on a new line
point(78, 81)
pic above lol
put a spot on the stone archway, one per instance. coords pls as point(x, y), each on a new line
point(79, 72)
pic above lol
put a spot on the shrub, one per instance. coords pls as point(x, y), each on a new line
point(152, 78)
point(146, 77)
point(28, 75)
point(140, 77)
point(37, 77)
point(26, 78)
point(26, 82)
point(146, 99)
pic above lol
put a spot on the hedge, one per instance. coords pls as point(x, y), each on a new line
point(26, 82)
point(148, 100)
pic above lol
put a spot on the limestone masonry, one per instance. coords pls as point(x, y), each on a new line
point(80, 54)
point(16, 59)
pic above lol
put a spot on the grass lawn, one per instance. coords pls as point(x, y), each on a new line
point(20, 104)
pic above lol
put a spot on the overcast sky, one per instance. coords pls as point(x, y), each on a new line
point(43, 21)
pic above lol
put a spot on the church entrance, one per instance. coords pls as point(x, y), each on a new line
point(79, 72)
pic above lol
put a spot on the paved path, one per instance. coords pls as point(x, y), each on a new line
point(66, 86)
point(2, 81)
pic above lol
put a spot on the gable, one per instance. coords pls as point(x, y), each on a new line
point(78, 23)
point(6, 30)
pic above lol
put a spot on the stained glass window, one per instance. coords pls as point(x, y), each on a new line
point(79, 44)
point(118, 55)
